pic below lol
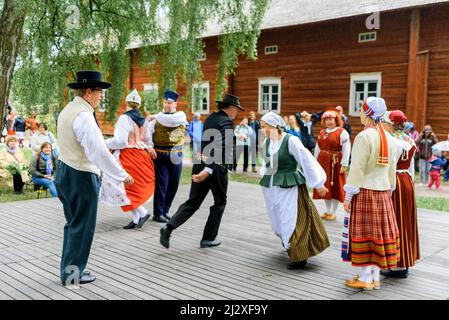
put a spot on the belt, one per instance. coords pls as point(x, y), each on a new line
point(168, 151)
point(402, 171)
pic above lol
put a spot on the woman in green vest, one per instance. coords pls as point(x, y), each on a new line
point(293, 216)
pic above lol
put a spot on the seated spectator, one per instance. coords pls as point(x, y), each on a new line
point(43, 167)
point(12, 164)
point(41, 136)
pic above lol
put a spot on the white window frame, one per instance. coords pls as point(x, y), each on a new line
point(270, 81)
point(202, 57)
point(274, 46)
point(365, 34)
point(201, 85)
point(356, 77)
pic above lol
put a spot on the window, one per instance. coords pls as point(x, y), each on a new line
point(104, 101)
point(150, 99)
point(200, 97)
point(270, 95)
point(271, 49)
point(363, 85)
point(368, 36)
point(201, 57)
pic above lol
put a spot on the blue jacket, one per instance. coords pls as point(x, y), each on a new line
point(196, 130)
point(437, 164)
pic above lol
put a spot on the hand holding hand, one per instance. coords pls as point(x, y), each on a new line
point(129, 180)
point(322, 191)
point(343, 170)
point(347, 206)
point(152, 153)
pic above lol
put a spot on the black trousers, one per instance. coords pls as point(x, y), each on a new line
point(17, 182)
point(218, 184)
point(238, 152)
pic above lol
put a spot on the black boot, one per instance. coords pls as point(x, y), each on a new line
point(130, 225)
point(165, 236)
point(399, 274)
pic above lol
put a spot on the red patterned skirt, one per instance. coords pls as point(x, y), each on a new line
point(373, 231)
point(406, 216)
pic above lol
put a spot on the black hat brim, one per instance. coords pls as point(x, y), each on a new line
point(222, 104)
point(86, 85)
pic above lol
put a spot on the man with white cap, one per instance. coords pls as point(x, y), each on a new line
point(167, 130)
point(130, 146)
point(293, 216)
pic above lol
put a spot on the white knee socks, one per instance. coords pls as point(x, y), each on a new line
point(367, 275)
point(331, 206)
point(376, 273)
point(138, 213)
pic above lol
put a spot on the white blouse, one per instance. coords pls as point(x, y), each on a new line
point(122, 129)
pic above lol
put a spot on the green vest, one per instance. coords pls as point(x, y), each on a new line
point(164, 137)
point(287, 173)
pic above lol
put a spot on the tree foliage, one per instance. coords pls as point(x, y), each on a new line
point(61, 37)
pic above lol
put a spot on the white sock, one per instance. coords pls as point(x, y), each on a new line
point(135, 215)
point(366, 275)
point(334, 206)
point(376, 273)
point(142, 211)
point(328, 205)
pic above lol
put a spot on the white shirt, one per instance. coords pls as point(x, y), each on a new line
point(91, 139)
point(345, 143)
point(122, 129)
point(310, 168)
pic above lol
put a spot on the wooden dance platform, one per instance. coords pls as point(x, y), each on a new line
point(250, 263)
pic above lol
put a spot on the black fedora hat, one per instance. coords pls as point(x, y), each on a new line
point(88, 79)
point(229, 100)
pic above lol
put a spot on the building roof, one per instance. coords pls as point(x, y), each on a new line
point(284, 13)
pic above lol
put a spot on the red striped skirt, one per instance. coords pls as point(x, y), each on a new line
point(373, 231)
point(140, 166)
point(406, 216)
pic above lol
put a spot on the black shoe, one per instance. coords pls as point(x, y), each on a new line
point(399, 274)
point(166, 216)
point(86, 272)
point(208, 243)
point(297, 265)
point(165, 237)
point(161, 219)
point(142, 221)
point(130, 225)
point(87, 278)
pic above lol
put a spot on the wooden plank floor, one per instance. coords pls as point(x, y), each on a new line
point(250, 263)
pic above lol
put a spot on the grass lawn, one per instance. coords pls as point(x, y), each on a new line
point(439, 204)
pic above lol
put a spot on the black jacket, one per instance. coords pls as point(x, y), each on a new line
point(216, 144)
point(19, 124)
point(308, 140)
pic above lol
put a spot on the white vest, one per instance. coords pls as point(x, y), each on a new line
point(70, 150)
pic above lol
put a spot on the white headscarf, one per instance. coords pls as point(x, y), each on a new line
point(375, 108)
point(134, 97)
point(273, 119)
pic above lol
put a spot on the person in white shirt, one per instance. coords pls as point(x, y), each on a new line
point(83, 155)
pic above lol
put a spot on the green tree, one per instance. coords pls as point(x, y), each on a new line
point(53, 39)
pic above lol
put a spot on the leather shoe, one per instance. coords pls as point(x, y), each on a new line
point(87, 278)
point(161, 219)
point(166, 216)
point(165, 237)
point(142, 221)
point(297, 265)
point(130, 225)
point(208, 243)
point(399, 274)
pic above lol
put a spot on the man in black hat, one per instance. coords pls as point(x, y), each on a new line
point(82, 154)
point(210, 172)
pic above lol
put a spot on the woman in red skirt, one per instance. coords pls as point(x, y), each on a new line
point(373, 232)
point(332, 151)
point(404, 201)
point(130, 146)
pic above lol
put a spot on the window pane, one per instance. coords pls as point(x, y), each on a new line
point(372, 86)
point(274, 98)
point(274, 106)
point(372, 94)
point(274, 89)
point(204, 104)
point(265, 89)
point(360, 86)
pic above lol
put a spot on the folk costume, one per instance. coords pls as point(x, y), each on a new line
point(373, 232)
point(404, 201)
point(130, 147)
point(293, 216)
point(216, 159)
point(167, 132)
point(83, 153)
point(332, 151)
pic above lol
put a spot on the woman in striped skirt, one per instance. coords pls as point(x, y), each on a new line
point(373, 232)
point(404, 201)
point(293, 216)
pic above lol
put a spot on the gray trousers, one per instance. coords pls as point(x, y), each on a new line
point(424, 167)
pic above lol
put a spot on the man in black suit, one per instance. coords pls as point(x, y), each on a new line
point(210, 172)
